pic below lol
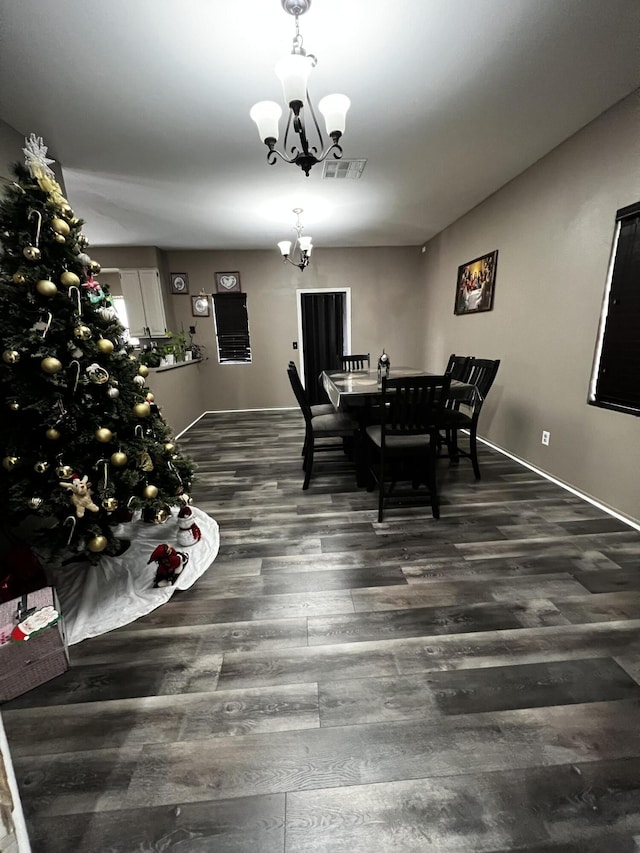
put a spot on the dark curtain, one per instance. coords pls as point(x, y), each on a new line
point(322, 335)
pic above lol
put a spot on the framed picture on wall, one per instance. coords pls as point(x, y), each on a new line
point(179, 282)
point(200, 306)
point(475, 285)
point(227, 282)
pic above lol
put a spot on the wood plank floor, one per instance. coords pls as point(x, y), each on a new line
point(335, 685)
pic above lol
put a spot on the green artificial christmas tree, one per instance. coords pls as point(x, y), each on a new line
point(82, 443)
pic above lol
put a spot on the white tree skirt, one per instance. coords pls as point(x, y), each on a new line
point(97, 598)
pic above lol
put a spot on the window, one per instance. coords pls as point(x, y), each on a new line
point(615, 381)
point(232, 327)
point(121, 310)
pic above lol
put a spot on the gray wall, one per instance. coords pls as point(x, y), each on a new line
point(386, 304)
point(553, 227)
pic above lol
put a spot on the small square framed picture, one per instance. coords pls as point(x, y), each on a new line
point(179, 282)
point(227, 282)
point(200, 306)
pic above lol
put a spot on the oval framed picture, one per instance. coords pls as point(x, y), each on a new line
point(179, 282)
point(200, 306)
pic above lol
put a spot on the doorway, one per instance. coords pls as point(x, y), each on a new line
point(324, 332)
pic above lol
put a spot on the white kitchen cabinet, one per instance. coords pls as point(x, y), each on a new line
point(142, 293)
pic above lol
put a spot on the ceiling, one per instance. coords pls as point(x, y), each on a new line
point(146, 105)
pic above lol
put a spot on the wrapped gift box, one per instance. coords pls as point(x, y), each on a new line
point(27, 663)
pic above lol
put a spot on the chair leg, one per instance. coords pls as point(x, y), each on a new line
point(308, 464)
point(452, 444)
point(433, 484)
point(473, 451)
point(381, 462)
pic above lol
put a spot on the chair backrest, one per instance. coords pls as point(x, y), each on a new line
point(355, 362)
point(298, 390)
point(482, 372)
point(459, 366)
point(412, 405)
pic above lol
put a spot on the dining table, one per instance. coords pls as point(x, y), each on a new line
point(358, 392)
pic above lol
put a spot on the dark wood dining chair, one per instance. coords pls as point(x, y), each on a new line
point(464, 414)
point(355, 362)
point(319, 427)
point(458, 366)
point(404, 446)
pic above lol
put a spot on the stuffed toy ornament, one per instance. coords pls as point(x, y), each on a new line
point(170, 564)
point(188, 531)
point(80, 495)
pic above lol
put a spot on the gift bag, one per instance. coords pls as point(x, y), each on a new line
point(33, 646)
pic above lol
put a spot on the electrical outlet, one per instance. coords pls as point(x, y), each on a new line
point(546, 435)
point(295, 344)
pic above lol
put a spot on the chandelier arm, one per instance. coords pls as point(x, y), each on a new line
point(273, 154)
point(315, 121)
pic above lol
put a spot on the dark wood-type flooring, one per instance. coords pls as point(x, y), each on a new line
point(333, 684)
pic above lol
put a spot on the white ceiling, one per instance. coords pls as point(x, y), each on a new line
point(146, 105)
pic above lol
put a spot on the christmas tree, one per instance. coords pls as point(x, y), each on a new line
point(83, 444)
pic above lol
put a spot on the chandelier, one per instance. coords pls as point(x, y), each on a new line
point(303, 245)
point(293, 71)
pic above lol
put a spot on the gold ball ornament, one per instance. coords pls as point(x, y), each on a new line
point(52, 434)
point(31, 253)
point(19, 278)
point(11, 356)
point(35, 502)
point(143, 370)
point(95, 267)
point(64, 472)
point(51, 364)
point(97, 544)
point(59, 238)
point(41, 466)
point(150, 491)
point(82, 332)
point(110, 504)
point(14, 405)
point(119, 459)
point(142, 410)
point(103, 434)
point(10, 462)
point(139, 380)
point(66, 211)
point(69, 279)
point(60, 226)
point(150, 397)
point(105, 346)
point(169, 447)
point(45, 287)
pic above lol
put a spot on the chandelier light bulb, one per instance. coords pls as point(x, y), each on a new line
point(266, 115)
point(334, 109)
point(293, 72)
point(285, 248)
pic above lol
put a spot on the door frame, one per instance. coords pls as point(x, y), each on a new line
point(346, 319)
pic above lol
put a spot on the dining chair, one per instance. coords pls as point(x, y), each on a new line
point(464, 414)
point(355, 362)
point(319, 426)
point(404, 446)
point(458, 366)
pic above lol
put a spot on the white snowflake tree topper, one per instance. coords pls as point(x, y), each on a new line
point(35, 157)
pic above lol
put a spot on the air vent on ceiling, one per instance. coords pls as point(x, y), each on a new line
point(342, 169)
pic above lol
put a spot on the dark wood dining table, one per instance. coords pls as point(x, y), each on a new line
point(360, 388)
point(358, 392)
